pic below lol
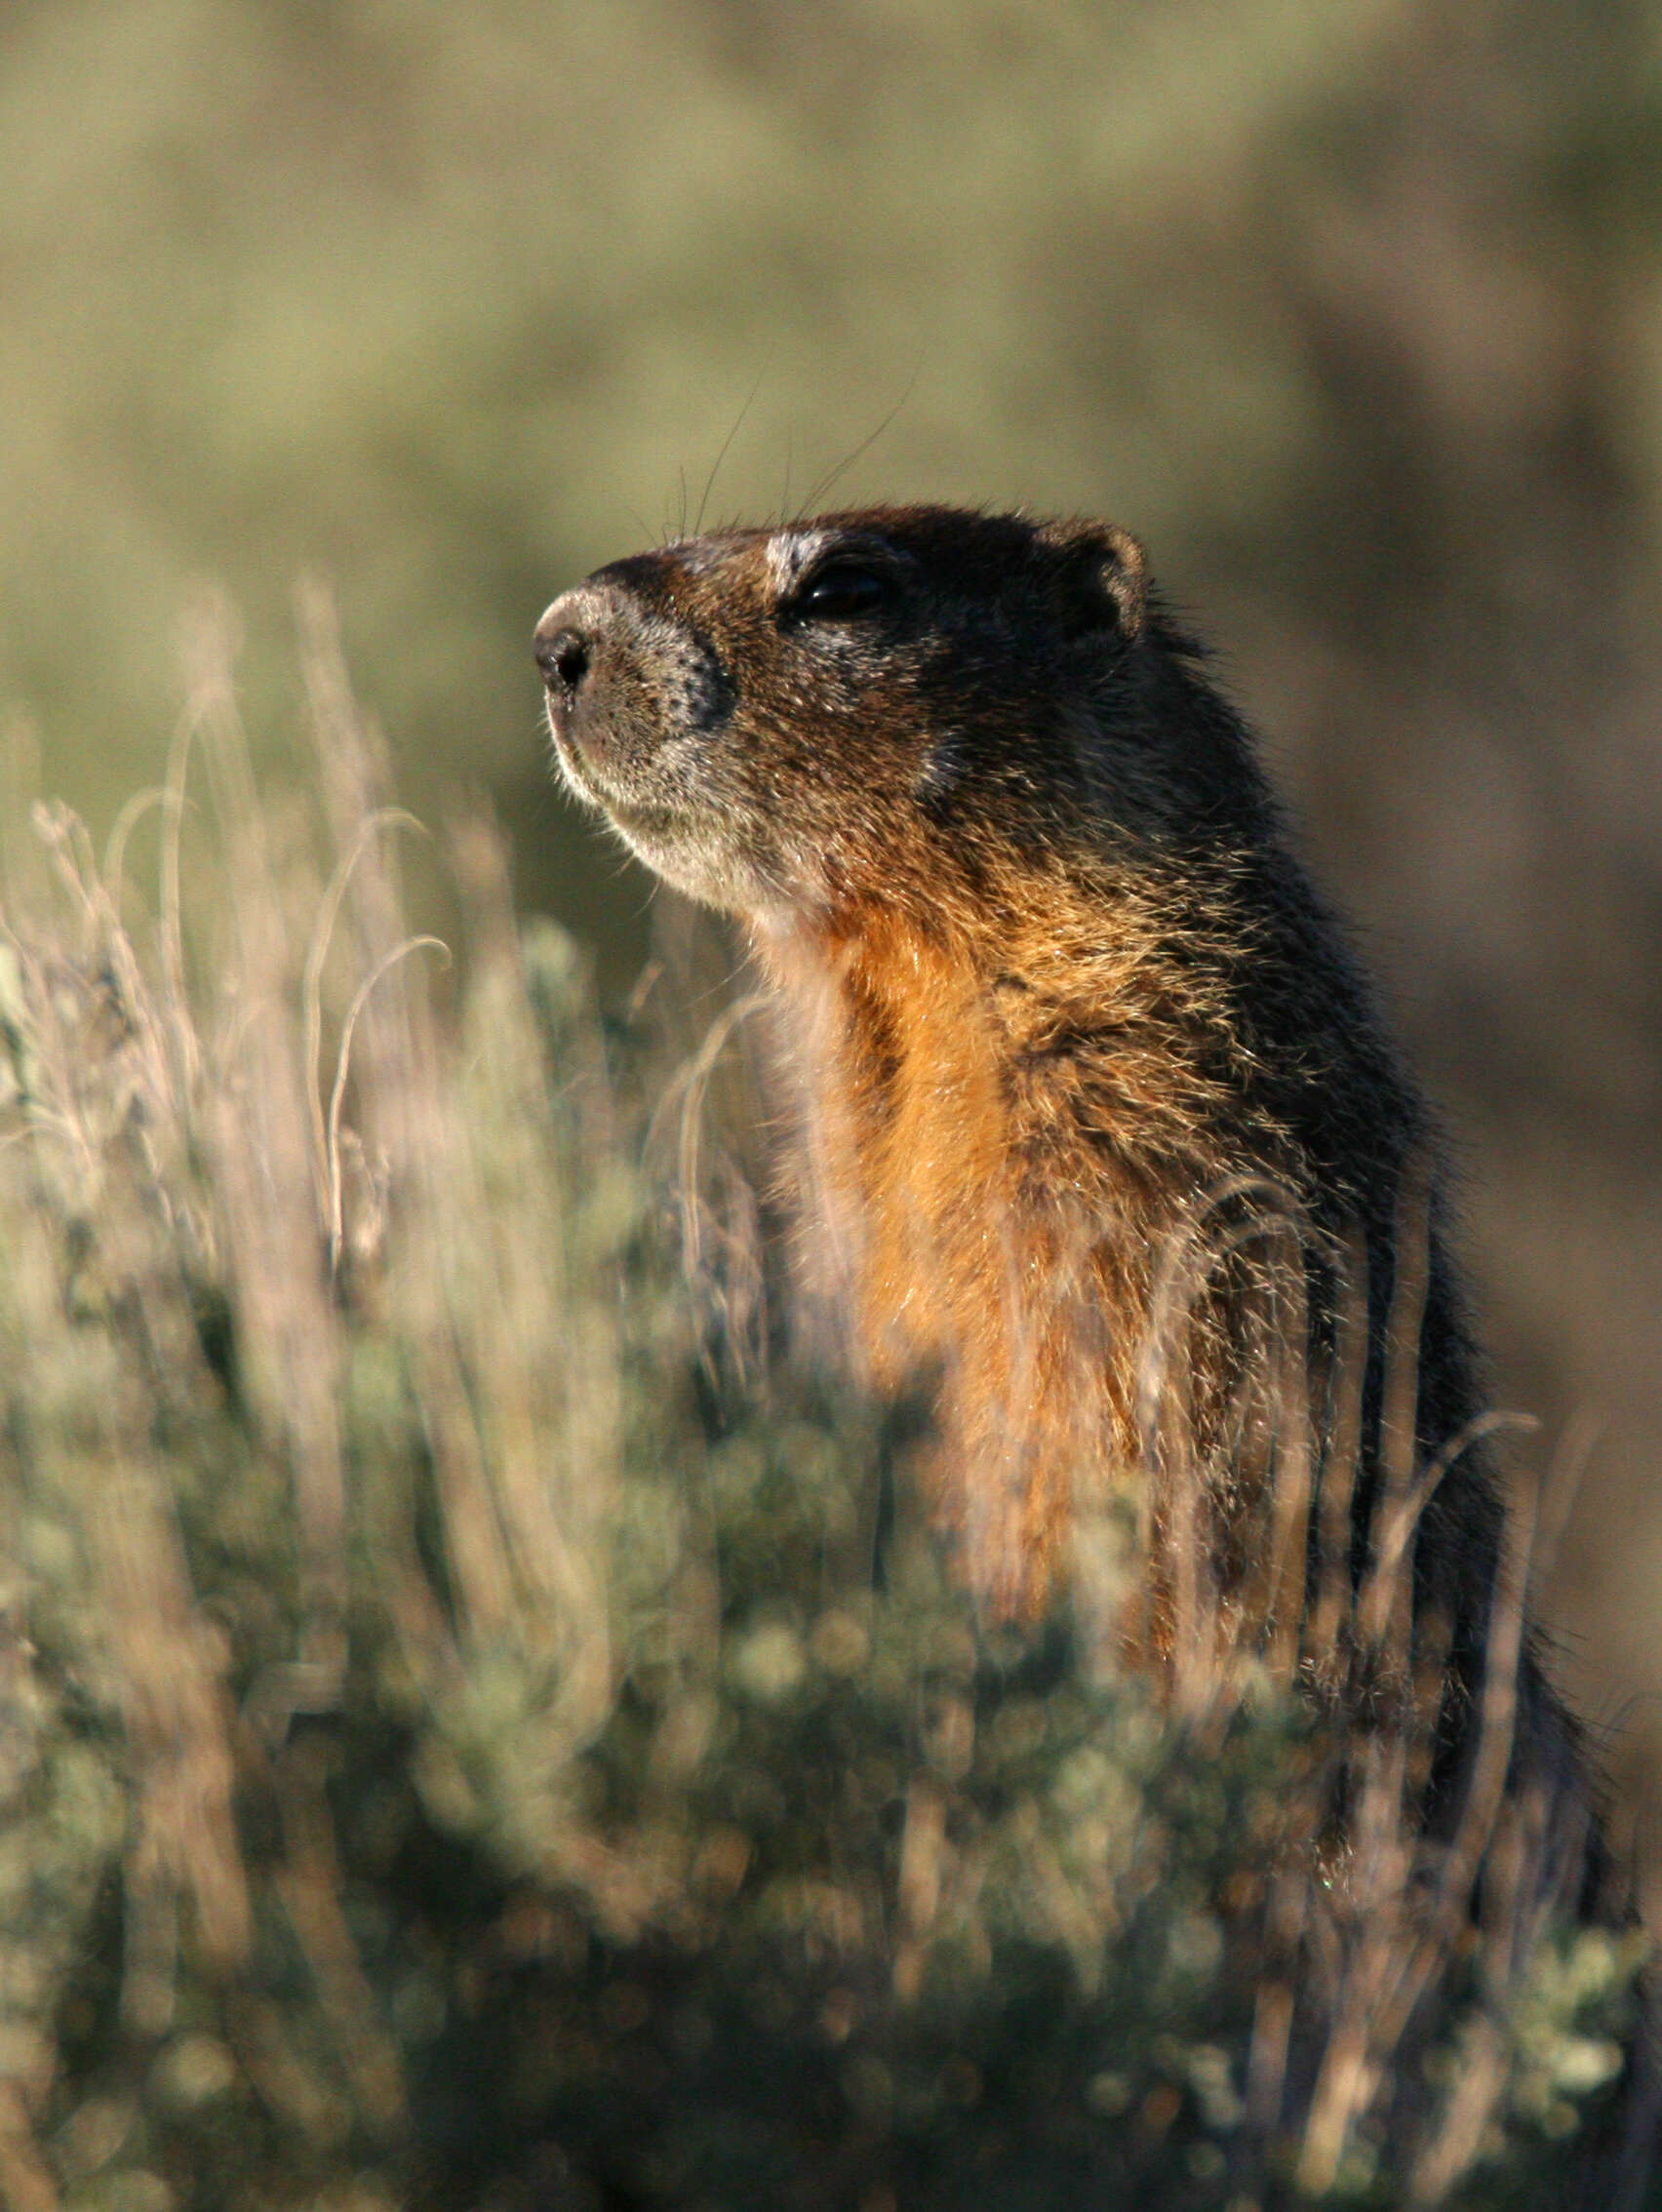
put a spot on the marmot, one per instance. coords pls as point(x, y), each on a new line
point(1061, 980)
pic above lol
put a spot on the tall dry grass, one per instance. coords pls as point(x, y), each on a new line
point(474, 1729)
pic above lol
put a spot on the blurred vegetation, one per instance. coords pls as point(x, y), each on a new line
point(466, 1736)
point(1354, 313)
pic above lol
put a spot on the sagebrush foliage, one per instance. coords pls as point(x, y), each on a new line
point(474, 1733)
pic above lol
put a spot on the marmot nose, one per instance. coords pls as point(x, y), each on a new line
point(562, 653)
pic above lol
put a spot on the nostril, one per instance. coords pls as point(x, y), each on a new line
point(570, 657)
point(564, 658)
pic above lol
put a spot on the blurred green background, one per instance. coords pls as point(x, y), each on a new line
point(1351, 308)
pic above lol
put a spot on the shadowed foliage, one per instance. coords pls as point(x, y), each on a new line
point(472, 1733)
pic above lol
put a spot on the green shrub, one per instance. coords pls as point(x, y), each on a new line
point(475, 1730)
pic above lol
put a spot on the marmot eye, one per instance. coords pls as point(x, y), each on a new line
point(842, 592)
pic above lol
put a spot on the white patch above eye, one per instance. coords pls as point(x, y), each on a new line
point(790, 554)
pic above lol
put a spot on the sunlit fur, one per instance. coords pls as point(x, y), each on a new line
point(1055, 976)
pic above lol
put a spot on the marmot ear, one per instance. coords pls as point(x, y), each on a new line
point(1102, 579)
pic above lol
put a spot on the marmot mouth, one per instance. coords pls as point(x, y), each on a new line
point(633, 816)
point(580, 774)
point(573, 765)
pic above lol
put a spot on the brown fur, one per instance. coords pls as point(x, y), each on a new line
point(1004, 1203)
point(1057, 976)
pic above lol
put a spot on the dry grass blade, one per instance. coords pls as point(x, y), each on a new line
point(343, 1068)
point(460, 1660)
point(1333, 1596)
point(1381, 1590)
point(692, 1085)
point(312, 991)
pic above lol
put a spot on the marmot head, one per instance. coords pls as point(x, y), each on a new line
point(875, 702)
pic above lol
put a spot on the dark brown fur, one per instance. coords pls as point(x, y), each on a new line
point(1057, 976)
